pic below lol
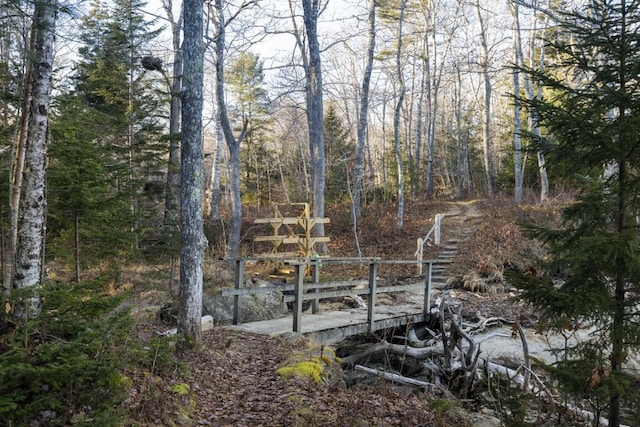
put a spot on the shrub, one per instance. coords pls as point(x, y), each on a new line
point(66, 367)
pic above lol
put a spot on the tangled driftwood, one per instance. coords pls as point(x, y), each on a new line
point(455, 352)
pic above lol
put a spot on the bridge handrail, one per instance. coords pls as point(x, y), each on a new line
point(435, 230)
point(314, 288)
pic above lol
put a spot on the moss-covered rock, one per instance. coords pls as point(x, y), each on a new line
point(317, 364)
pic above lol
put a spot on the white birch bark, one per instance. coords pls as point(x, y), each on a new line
point(531, 94)
point(29, 254)
point(17, 172)
point(542, 167)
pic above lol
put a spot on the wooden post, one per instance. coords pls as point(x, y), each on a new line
point(298, 293)
point(315, 265)
point(371, 305)
point(427, 290)
point(436, 237)
point(237, 299)
point(419, 253)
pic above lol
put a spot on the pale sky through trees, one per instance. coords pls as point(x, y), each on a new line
point(450, 29)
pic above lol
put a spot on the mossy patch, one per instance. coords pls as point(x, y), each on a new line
point(307, 365)
point(312, 368)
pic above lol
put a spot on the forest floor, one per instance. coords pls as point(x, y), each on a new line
point(232, 380)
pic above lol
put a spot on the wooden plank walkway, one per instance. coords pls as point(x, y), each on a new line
point(332, 326)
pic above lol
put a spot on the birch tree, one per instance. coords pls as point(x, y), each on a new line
point(531, 94)
point(29, 256)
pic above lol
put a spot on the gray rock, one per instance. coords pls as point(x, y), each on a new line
point(256, 307)
point(485, 421)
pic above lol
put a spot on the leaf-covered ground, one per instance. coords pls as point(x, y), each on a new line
point(234, 383)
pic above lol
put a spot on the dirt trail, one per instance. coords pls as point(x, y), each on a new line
point(461, 219)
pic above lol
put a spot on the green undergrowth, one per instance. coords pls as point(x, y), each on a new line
point(78, 362)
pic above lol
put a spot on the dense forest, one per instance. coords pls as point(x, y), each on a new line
point(133, 131)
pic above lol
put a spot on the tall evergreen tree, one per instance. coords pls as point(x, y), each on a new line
point(339, 154)
point(246, 79)
point(82, 203)
point(591, 109)
point(115, 85)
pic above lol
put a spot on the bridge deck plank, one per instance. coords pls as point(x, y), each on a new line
point(331, 326)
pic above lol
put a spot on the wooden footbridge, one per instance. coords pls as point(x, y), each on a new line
point(330, 326)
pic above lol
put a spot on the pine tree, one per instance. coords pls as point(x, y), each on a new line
point(118, 90)
point(339, 154)
point(591, 110)
point(246, 78)
point(82, 203)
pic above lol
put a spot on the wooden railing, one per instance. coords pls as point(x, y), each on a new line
point(435, 231)
point(315, 290)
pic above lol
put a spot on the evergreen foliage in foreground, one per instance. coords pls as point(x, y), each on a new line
point(76, 363)
point(591, 111)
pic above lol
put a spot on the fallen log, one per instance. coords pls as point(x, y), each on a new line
point(404, 350)
point(425, 386)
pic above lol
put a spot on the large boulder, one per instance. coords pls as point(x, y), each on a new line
point(262, 306)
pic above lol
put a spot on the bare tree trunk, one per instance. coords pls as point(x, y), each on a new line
point(517, 47)
point(420, 128)
point(528, 87)
point(364, 111)
point(29, 255)
point(233, 245)
point(285, 189)
point(542, 167)
point(430, 119)
point(191, 194)
point(486, 123)
point(215, 181)
point(172, 198)
point(315, 115)
point(396, 118)
point(459, 148)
